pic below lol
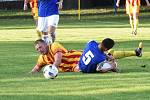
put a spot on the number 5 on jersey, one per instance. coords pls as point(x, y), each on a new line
point(87, 57)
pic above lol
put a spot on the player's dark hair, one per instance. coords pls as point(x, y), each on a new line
point(108, 43)
point(39, 41)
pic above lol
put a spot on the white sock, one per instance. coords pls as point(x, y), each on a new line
point(52, 37)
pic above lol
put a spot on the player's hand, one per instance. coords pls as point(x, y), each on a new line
point(111, 58)
point(25, 7)
point(33, 71)
point(60, 6)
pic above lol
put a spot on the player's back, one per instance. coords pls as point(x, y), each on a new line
point(91, 56)
point(70, 60)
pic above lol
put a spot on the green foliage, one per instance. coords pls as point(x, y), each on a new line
point(17, 58)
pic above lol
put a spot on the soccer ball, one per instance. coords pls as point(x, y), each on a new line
point(50, 72)
point(107, 65)
point(103, 66)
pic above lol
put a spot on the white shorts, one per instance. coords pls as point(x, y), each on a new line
point(45, 22)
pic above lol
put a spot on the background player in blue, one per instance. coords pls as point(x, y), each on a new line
point(48, 19)
point(94, 54)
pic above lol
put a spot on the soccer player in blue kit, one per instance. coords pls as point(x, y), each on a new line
point(93, 54)
point(48, 18)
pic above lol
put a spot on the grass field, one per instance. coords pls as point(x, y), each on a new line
point(17, 58)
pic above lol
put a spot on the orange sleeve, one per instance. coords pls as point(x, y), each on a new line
point(41, 61)
point(53, 49)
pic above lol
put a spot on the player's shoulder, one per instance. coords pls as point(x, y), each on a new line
point(55, 43)
point(40, 56)
point(92, 42)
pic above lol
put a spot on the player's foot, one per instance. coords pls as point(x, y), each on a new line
point(134, 32)
point(138, 51)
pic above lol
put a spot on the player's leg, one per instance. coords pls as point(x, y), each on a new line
point(135, 13)
point(43, 27)
point(36, 23)
point(52, 25)
point(34, 10)
point(129, 11)
point(136, 21)
point(123, 54)
point(45, 37)
point(131, 22)
point(39, 34)
point(135, 18)
point(51, 32)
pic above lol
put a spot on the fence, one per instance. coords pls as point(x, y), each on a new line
point(68, 4)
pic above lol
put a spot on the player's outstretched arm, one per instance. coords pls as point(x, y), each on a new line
point(36, 69)
point(58, 58)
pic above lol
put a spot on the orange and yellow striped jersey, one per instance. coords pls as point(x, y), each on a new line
point(132, 6)
point(34, 8)
point(33, 4)
point(133, 2)
point(69, 58)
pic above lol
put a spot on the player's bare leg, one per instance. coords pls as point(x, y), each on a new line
point(131, 23)
point(37, 31)
point(135, 20)
point(51, 32)
point(45, 37)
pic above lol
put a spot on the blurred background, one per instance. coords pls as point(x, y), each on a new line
point(68, 4)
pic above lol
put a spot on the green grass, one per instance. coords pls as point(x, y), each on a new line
point(17, 58)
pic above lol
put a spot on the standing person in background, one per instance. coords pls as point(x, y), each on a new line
point(132, 9)
point(34, 11)
point(115, 7)
point(48, 19)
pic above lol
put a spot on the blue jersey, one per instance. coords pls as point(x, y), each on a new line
point(91, 56)
point(47, 8)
